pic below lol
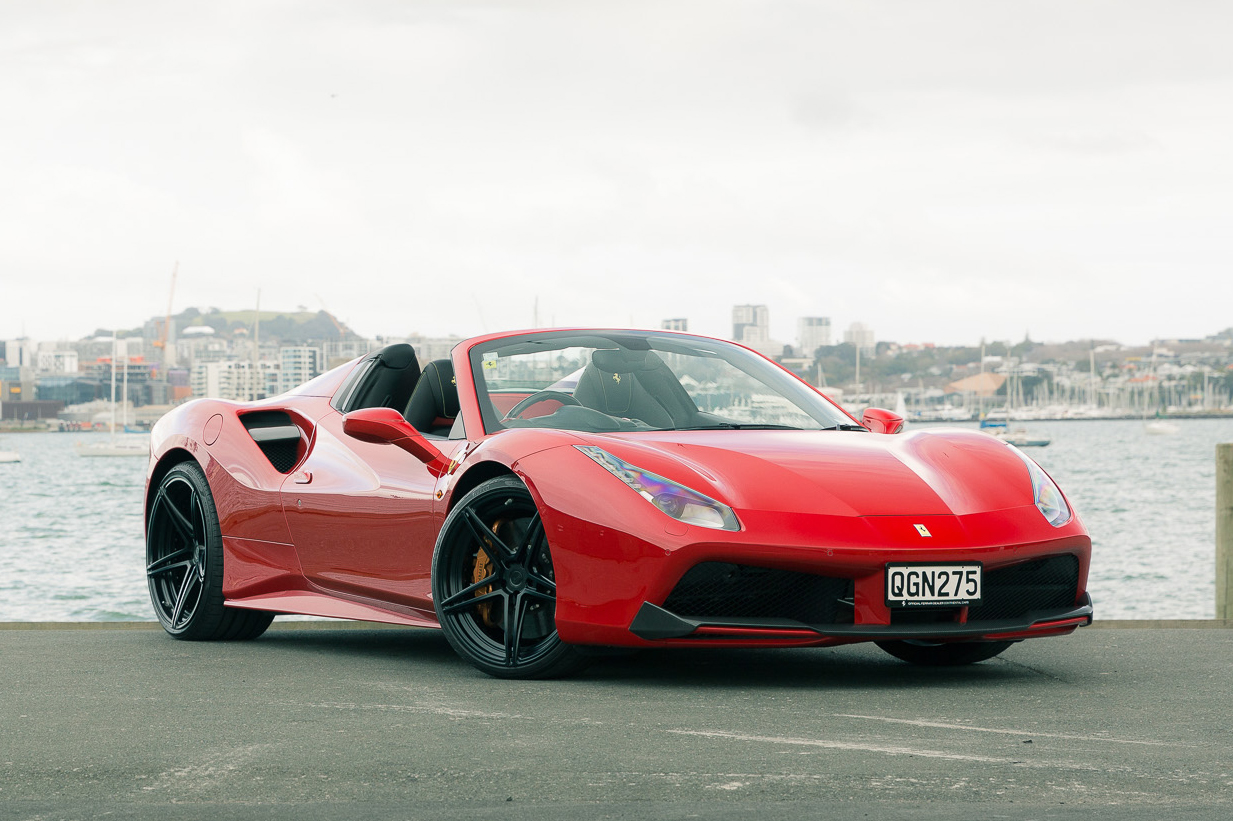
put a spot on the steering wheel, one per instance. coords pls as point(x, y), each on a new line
point(542, 396)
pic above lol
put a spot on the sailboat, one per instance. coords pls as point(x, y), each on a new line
point(114, 446)
point(1019, 437)
point(1156, 427)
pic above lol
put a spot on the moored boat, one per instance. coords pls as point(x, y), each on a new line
point(1020, 438)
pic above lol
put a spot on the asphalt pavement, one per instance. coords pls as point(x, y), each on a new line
point(317, 721)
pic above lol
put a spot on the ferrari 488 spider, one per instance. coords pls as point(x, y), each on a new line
point(544, 493)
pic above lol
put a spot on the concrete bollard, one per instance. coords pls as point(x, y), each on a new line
point(1224, 531)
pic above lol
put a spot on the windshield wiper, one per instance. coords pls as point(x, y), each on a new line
point(736, 426)
point(846, 426)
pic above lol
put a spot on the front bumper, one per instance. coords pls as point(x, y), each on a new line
point(654, 623)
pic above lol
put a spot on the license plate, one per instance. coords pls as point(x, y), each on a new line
point(933, 585)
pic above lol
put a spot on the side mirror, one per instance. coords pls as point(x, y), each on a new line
point(386, 425)
point(880, 420)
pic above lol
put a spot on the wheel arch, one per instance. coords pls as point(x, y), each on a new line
point(477, 475)
point(173, 457)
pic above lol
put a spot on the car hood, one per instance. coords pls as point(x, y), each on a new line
point(844, 473)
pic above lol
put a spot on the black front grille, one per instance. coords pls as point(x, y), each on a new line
point(722, 590)
point(1042, 584)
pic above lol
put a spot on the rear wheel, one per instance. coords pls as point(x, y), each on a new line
point(939, 654)
point(494, 587)
point(184, 563)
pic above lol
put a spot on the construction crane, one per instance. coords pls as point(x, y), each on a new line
point(165, 331)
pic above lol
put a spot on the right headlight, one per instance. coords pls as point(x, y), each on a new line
point(674, 499)
point(1045, 492)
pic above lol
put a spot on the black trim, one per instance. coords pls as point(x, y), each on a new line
point(654, 622)
point(276, 435)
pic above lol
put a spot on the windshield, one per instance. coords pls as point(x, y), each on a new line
point(603, 381)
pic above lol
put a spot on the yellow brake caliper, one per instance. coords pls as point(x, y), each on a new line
point(482, 570)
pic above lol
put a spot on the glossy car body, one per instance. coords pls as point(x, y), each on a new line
point(329, 504)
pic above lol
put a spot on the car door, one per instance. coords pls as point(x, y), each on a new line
point(362, 517)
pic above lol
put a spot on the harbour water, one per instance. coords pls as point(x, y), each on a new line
point(71, 530)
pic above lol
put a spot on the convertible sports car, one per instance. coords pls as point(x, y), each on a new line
point(542, 494)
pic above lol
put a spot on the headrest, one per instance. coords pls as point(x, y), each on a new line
point(397, 356)
point(620, 360)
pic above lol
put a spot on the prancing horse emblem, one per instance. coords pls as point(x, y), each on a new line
point(922, 530)
point(616, 377)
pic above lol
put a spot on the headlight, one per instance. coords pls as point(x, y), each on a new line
point(1045, 492)
point(676, 500)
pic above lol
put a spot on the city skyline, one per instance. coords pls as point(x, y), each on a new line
point(941, 173)
point(796, 331)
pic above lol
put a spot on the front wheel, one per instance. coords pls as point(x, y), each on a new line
point(184, 563)
point(931, 654)
point(494, 588)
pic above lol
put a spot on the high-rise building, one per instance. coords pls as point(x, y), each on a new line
point(860, 335)
point(299, 364)
point(751, 324)
point(21, 353)
point(236, 380)
point(675, 324)
point(812, 332)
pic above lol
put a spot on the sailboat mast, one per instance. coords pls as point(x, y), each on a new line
point(111, 426)
point(124, 411)
point(255, 382)
point(980, 394)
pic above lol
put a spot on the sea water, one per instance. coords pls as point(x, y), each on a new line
point(71, 527)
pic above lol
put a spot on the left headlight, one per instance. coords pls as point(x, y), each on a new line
point(674, 499)
point(1045, 492)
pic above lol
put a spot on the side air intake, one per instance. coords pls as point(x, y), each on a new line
point(279, 438)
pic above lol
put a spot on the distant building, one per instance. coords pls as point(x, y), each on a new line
point(299, 363)
point(676, 324)
point(751, 324)
point(341, 351)
point(427, 348)
point(235, 380)
point(159, 337)
point(69, 390)
point(812, 332)
point(57, 362)
point(21, 353)
point(860, 335)
point(194, 350)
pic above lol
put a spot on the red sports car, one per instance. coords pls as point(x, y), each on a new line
point(541, 494)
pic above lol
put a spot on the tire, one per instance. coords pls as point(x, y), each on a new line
point(184, 563)
point(494, 588)
point(929, 654)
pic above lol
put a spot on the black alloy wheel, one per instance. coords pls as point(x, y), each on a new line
point(940, 654)
point(494, 588)
point(184, 563)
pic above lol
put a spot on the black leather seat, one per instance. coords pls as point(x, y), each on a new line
point(434, 402)
point(635, 385)
point(389, 382)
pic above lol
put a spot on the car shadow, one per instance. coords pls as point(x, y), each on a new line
point(851, 666)
point(854, 666)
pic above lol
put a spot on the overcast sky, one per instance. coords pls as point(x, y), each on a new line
point(940, 171)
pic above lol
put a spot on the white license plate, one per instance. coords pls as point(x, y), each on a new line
point(933, 585)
